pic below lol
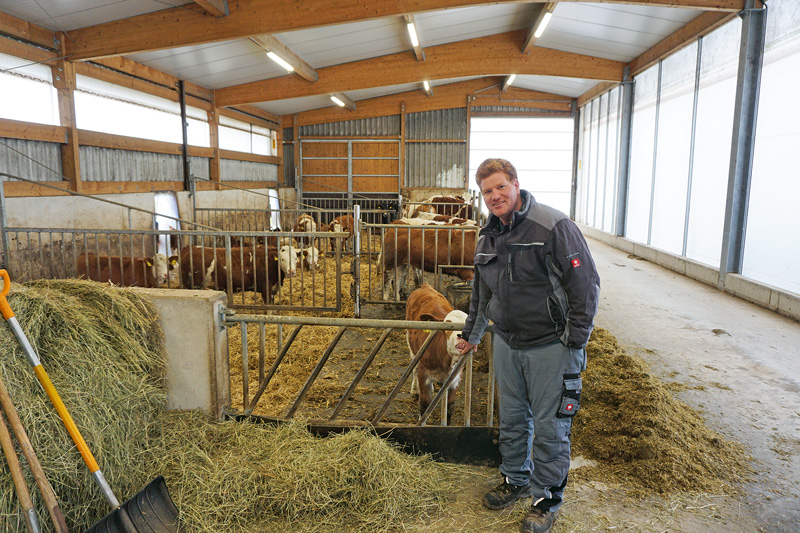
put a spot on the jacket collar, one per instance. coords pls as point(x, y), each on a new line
point(494, 226)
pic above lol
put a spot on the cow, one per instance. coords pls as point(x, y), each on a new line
point(262, 269)
point(125, 271)
point(344, 223)
point(426, 304)
point(305, 223)
point(440, 205)
point(403, 250)
point(310, 258)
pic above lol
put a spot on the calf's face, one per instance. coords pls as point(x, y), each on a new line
point(287, 259)
point(452, 337)
point(160, 267)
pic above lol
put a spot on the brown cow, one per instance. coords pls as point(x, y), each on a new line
point(259, 268)
point(441, 205)
point(441, 356)
point(403, 250)
point(125, 271)
point(344, 223)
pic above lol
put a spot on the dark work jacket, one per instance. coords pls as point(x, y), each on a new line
point(535, 279)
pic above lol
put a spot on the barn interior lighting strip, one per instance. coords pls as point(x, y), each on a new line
point(426, 85)
point(542, 25)
point(412, 33)
point(279, 60)
point(337, 101)
point(511, 79)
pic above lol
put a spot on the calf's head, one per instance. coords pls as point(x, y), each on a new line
point(452, 336)
point(287, 259)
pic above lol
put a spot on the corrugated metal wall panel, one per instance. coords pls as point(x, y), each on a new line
point(232, 170)
point(105, 164)
point(377, 126)
point(35, 160)
point(449, 124)
point(436, 164)
point(288, 165)
point(504, 109)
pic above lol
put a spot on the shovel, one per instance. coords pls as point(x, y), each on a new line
point(151, 509)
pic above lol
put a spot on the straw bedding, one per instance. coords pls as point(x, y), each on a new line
point(102, 348)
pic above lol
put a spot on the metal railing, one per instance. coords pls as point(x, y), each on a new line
point(333, 412)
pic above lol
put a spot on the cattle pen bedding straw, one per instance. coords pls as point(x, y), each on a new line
point(102, 347)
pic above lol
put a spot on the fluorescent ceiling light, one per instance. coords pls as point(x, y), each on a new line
point(425, 84)
point(511, 79)
point(337, 101)
point(412, 32)
point(279, 60)
point(542, 25)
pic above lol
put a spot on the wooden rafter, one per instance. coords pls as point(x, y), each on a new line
point(270, 43)
point(531, 38)
point(348, 103)
point(174, 27)
point(483, 56)
point(449, 96)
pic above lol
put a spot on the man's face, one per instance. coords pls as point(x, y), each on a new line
point(501, 196)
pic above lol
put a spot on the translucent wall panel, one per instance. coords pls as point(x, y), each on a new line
point(108, 108)
point(612, 160)
point(641, 166)
point(772, 248)
point(26, 92)
point(539, 148)
point(583, 164)
point(674, 139)
point(600, 160)
point(591, 183)
point(712, 147)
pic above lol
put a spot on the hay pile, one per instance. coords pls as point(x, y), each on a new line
point(644, 437)
point(102, 348)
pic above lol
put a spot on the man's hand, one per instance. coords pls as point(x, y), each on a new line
point(464, 347)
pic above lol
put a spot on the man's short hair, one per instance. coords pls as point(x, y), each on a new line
point(490, 166)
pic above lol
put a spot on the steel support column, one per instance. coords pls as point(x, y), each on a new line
point(751, 56)
point(576, 123)
point(626, 121)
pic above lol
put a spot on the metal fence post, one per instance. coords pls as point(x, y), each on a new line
point(357, 260)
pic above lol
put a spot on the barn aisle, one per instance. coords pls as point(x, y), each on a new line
point(737, 364)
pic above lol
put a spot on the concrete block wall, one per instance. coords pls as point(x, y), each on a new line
point(780, 301)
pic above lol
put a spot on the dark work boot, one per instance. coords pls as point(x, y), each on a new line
point(538, 521)
point(505, 494)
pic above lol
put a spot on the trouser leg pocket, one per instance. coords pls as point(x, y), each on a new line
point(570, 396)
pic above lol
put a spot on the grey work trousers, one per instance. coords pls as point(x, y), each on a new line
point(530, 383)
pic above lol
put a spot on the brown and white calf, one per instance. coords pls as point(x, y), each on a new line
point(125, 271)
point(259, 268)
point(441, 356)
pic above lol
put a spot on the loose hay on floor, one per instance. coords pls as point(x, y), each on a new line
point(102, 348)
point(236, 475)
point(641, 434)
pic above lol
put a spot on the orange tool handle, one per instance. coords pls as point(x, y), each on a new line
point(4, 307)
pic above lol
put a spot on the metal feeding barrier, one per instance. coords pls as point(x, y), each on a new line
point(265, 376)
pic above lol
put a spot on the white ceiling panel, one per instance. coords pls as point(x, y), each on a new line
point(573, 87)
point(451, 25)
point(66, 15)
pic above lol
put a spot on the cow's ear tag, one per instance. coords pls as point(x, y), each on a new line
point(149, 264)
point(276, 259)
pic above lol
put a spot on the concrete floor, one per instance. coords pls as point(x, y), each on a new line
point(741, 361)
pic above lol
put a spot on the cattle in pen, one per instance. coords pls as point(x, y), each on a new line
point(426, 304)
point(408, 249)
point(454, 206)
point(258, 268)
point(125, 271)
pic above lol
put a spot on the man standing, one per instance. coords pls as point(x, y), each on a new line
point(536, 280)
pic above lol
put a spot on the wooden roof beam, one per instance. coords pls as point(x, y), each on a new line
point(483, 56)
point(342, 100)
point(272, 44)
point(218, 8)
point(183, 26)
point(538, 26)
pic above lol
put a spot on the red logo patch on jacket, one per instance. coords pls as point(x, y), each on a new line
point(576, 263)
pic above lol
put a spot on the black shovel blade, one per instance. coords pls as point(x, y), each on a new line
point(151, 510)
